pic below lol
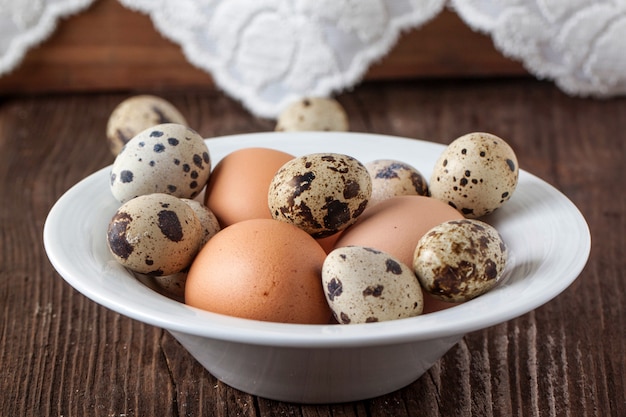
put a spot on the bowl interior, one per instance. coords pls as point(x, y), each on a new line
point(548, 240)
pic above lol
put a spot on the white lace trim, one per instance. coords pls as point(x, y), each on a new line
point(580, 44)
point(268, 53)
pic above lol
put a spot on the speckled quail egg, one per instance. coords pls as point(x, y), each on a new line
point(174, 284)
point(459, 260)
point(208, 220)
point(155, 234)
point(168, 158)
point(364, 285)
point(476, 174)
point(321, 193)
point(313, 114)
point(138, 113)
point(392, 178)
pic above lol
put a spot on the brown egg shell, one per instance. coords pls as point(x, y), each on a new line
point(238, 186)
point(396, 225)
point(260, 269)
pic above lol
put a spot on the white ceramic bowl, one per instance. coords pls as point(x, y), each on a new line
point(548, 239)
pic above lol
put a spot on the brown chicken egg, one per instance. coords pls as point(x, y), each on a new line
point(397, 224)
point(260, 269)
point(328, 242)
point(238, 186)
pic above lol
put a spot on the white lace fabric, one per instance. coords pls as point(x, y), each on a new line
point(267, 53)
point(580, 44)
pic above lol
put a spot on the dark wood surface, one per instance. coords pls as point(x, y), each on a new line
point(63, 355)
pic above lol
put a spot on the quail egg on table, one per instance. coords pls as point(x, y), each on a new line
point(459, 260)
point(313, 114)
point(476, 174)
point(365, 285)
point(138, 113)
point(168, 158)
point(322, 193)
point(155, 234)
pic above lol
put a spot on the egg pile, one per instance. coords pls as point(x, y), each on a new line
point(314, 239)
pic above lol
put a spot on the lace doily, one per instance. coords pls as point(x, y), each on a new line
point(267, 53)
point(580, 44)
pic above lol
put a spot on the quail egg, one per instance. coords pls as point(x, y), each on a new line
point(138, 113)
point(313, 114)
point(476, 174)
point(459, 260)
point(365, 285)
point(322, 193)
point(168, 158)
point(155, 234)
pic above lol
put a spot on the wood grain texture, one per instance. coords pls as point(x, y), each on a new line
point(109, 47)
point(63, 355)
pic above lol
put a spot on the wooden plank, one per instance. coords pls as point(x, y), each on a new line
point(109, 47)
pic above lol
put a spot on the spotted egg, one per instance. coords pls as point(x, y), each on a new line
point(168, 158)
point(138, 113)
point(174, 285)
point(476, 174)
point(155, 234)
point(321, 193)
point(364, 285)
point(459, 260)
point(208, 220)
point(392, 178)
point(313, 114)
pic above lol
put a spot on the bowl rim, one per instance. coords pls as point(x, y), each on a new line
point(169, 314)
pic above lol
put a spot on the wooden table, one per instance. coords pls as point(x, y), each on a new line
point(63, 355)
